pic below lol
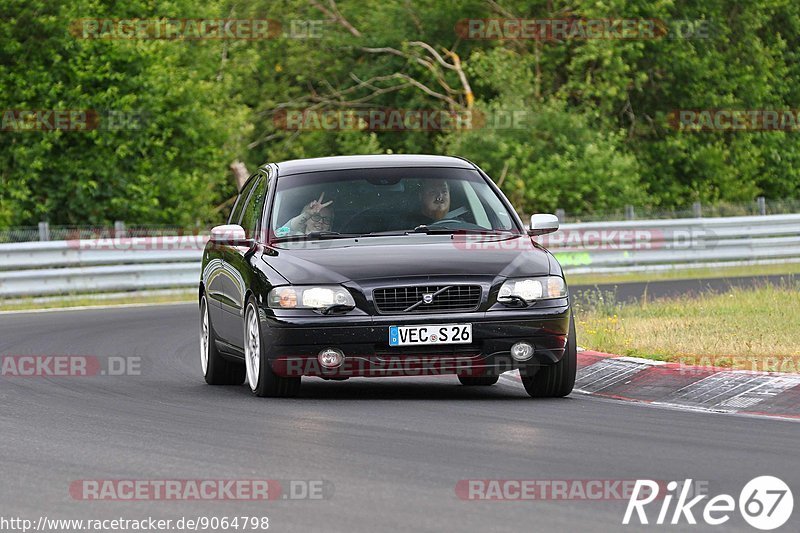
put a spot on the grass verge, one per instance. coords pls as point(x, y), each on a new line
point(755, 328)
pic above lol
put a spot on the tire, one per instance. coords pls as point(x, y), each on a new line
point(482, 381)
point(555, 381)
point(216, 369)
point(260, 377)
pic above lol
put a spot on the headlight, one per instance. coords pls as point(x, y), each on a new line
point(532, 289)
point(309, 297)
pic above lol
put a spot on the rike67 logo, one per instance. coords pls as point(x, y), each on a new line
point(765, 503)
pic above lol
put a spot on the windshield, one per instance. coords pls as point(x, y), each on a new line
point(387, 201)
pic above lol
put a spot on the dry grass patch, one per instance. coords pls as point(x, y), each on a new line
point(735, 328)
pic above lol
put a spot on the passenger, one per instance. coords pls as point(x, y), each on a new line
point(315, 216)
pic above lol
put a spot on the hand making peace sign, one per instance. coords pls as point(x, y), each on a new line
point(314, 207)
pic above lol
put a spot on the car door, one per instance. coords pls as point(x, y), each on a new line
point(238, 268)
point(216, 273)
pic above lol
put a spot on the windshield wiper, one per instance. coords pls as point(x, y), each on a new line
point(396, 233)
point(317, 235)
point(445, 231)
point(433, 231)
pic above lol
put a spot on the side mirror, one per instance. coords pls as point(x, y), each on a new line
point(541, 224)
point(230, 235)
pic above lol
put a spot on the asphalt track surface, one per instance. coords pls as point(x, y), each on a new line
point(393, 449)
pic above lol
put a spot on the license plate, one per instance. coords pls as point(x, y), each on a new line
point(430, 334)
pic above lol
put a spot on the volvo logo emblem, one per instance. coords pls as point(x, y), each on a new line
point(427, 298)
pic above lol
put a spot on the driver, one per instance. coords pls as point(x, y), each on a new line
point(315, 216)
point(434, 199)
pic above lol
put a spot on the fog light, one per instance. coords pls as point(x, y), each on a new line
point(331, 358)
point(522, 351)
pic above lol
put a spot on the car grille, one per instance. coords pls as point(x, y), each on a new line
point(448, 298)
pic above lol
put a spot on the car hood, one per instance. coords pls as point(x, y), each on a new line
point(341, 260)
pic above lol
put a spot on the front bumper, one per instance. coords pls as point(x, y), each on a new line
point(294, 340)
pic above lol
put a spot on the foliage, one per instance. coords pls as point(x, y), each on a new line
point(595, 133)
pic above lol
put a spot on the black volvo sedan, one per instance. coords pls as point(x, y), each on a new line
point(385, 265)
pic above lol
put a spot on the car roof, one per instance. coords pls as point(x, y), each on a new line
point(350, 162)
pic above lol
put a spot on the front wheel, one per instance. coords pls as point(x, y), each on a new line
point(260, 377)
point(216, 369)
point(554, 381)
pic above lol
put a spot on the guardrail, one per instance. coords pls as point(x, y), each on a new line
point(142, 263)
point(98, 265)
point(643, 245)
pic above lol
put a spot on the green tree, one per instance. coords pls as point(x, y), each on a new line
point(167, 166)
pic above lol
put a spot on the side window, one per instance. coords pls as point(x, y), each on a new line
point(236, 213)
point(252, 209)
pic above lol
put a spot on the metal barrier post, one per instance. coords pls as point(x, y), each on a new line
point(44, 231)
